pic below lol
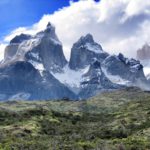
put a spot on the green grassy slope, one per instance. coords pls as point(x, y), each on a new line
point(118, 120)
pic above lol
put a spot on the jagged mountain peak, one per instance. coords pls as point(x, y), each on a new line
point(39, 64)
point(83, 52)
point(49, 25)
point(95, 81)
point(43, 50)
point(49, 29)
point(49, 34)
point(134, 64)
point(87, 38)
point(127, 69)
point(20, 38)
point(88, 43)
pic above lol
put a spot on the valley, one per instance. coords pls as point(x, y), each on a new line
point(118, 120)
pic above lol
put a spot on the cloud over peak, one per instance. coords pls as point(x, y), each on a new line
point(118, 25)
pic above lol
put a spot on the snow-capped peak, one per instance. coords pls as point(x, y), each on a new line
point(87, 38)
point(49, 33)
point(49, 25)
point(88, 43)
point(93, 47)
point(38, 63)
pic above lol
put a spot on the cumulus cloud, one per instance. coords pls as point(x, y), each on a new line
point(118, 25)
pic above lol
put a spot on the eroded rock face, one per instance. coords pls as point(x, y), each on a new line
point(13, 47)
point(35, 68)
point(44, 47)
point(22, 79)
point(10, 51)
point(20, 38)
point(25, 71)
point(83, 52)
point(129, 69)
point(95, 81)
point(50, 50)
point(144, 52)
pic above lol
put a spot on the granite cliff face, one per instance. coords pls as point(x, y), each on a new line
point(44, 48)
point(27, 66)
point(83, 52)
point(21, 80)
point(128, 69)
point(95, 81)
point(35, 68)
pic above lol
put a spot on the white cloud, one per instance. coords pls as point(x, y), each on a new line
point(137, 7)
point(118, 25)
point(2, 48)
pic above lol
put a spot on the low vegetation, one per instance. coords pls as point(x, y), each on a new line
point(118, 120)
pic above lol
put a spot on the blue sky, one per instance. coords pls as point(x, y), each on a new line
point(16, 13)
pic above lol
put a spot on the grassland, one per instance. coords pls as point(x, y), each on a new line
point(118, 120)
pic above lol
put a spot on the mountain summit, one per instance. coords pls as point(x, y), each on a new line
point(34, 67)
point(144, 52)
point(83, 52)
point(43, 50)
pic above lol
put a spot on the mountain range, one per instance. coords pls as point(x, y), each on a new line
point(35, 68)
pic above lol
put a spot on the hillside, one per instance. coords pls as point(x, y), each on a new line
point(118, 120)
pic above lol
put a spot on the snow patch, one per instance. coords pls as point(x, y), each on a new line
point(147, 72)
point(38, 66)
point(99, 72)
point(148, 77)
point(93, 47)
point(115, 78)
point(71, 78)
point(20, 96)
point(35, 55)
point(57, 42)
point(26, 46)
point(146, 69)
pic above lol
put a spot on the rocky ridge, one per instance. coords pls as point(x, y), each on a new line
point(35, 67)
